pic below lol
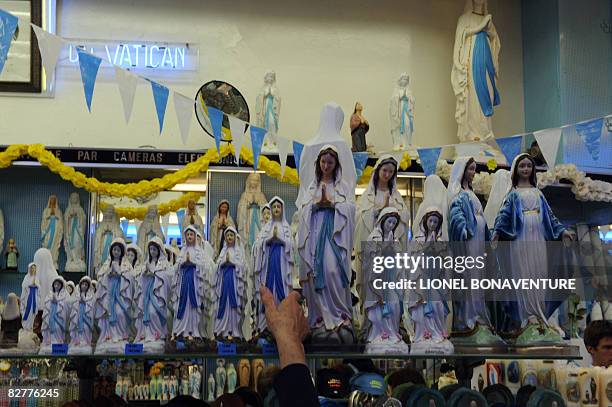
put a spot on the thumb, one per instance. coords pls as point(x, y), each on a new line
point(267, 299)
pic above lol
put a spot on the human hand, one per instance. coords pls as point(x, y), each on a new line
point(567, 236)
point(288, 325)
point(494, 241)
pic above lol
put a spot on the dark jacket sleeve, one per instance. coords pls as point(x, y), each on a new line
point(294, 387)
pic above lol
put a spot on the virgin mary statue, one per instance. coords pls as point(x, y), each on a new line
point(475, 72)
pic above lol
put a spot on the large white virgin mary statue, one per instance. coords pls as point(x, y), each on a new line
point(107, 231)
point(326, 202)
point(74, 235)
point(267, 107)
point(475, 72)
point(150, 228)
point(249, 210)
point(52, 228)
point(401, 114)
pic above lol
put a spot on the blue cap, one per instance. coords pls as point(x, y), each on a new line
point(371, 383)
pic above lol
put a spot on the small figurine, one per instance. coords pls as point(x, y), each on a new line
point(359, 129)
point(11, 322)
point(231, 378)
point(31, 297)
point(150, 228)
point(267, 109)
point(55, 316)
point(220, 222)
point(230, 288)
point(52, 228)
point(74, 235)
point(249, 206)
point(401, 114)
point(107, 231)
point(221, 377)
point(191, 217)
point(11, 255)
point(81, 319)
point(211, 387)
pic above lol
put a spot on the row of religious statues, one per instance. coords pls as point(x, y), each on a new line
point(474, 76)
point(148, 294)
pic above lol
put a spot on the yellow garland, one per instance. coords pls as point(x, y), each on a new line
point(163, 208)
point(167, 182)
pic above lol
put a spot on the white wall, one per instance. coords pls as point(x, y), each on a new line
point(321, 51)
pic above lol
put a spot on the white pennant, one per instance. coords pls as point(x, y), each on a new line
point(183, 106)
point(50, 46)
point(548, 141)
point(127, 88)
point(284, 145)
point(237, 128)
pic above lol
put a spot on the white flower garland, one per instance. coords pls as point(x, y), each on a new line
point(583, 187)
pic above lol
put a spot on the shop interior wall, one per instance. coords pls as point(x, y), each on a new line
point(24, 194)
point(321, 51)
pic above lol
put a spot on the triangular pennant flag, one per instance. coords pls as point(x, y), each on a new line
point(8, 25)
point(590, 133)
point(429, 159)
point(360, 159)
point(510, 147)
point(257, 137)
point(283, 144)
point(126, 81)
point(50, 46)
point(89, 65)
point(216, 121)
point(183, 106)
point(548, 141)
point(160, 97)
point(297, 154)
point(237, 128)
point(125, 223)
point(180, 215)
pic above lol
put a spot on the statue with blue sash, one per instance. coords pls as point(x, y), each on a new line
point(55, 317)
point(74, 235)
point(152, 298)
point(114, 306)
point(52, 228)
point(106, 232)
point(82, 319)
point(267, 109)
point(475, 72)
point(31, 300)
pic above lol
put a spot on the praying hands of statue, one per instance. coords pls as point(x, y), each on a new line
point(324, 201)
point(482, 26)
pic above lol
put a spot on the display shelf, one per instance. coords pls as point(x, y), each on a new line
point(571, 353)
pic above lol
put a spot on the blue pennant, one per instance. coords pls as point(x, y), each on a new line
point(257, 137)
point(360, 159)
point(297, 154)
point(216, 121)
point(590, 132)
point(89, 65)
point(124, 226)
point(510, 147)
point(8, 23)
point(429, 159)
point(160, 96)
point(180, 214)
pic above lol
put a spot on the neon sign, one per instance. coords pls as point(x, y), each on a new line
point(137, 55)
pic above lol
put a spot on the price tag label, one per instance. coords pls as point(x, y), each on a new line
point(59, 349)
point(134, 348)
point(269, 349)
point(225, 349)
point(180, 345)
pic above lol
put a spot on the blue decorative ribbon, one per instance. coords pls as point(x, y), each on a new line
point(31, 307)
point(406, 112)
point(325, 236)
point(49, 231)
point(74, 232)
point(54, 319)
point(482, 65)
point(228, 291)
point(148, 300)
point(115, 299)
point(84, 319)
point(274, 277)
point(108, 239)
point(270, 112)
point(187, 290)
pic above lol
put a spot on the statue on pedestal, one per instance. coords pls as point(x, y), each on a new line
point(11, 254)
point(82, 319)
point(359, 129)
point(401, 114)
point(52, 228)
point(267, 109)
point(74, 235)
point(475, 72)
point(56, 311)
point(107, 231)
